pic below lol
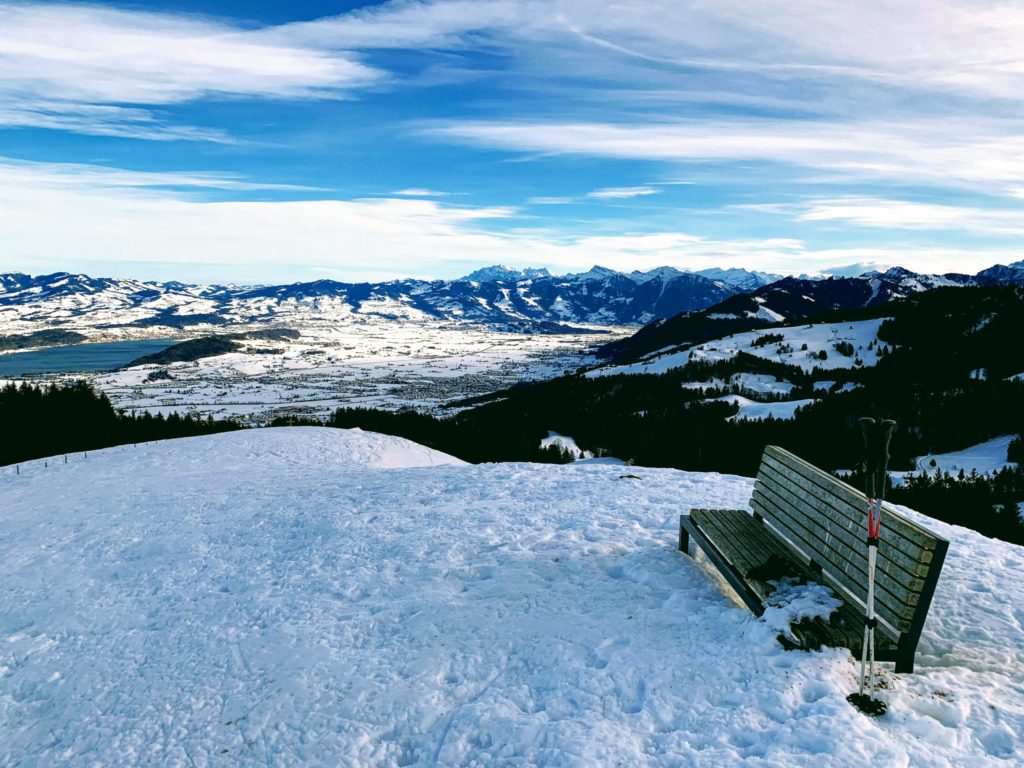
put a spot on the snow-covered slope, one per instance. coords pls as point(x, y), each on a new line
point(273, 598)
point(751, 410)
point(799, 345)
point(985, 458)
point(787, 300)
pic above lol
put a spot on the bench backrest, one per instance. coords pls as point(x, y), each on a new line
point(824, 521)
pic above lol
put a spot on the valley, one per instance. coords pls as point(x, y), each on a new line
point(370, 364)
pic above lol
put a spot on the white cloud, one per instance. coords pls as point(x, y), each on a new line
point(882, 213)
point(550, 200)
point(419, 192)
point(620, 193)
point(965, 46)
point(902, 214)
point(74, 67)
point(986, 154)
point(99, 120)
point(126, 218)
point(101, 178)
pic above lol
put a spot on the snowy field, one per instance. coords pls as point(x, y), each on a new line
point(800, 346)
point(371, 364)
point(751, 410)
point(322, 597)
point(985, 458)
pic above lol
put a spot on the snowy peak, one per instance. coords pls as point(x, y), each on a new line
point(1002, 274)
point(595, 273)
point(658, 273)
point(500, 273)
point(498, 297)
point(743, 279)
point(501, 298)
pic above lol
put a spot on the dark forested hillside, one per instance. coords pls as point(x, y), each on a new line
point(790, 300)
point(46, 421)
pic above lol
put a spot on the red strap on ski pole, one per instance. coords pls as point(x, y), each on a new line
point(874, 525)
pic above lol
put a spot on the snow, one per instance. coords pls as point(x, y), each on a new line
point(566, 444)
point(751, 410)
point(371, 363)
point(272, 598)
point(768, 314)
point(761, 383)
point(986, 458)
point(711, 384)
point(846, 386)
point(820, 337)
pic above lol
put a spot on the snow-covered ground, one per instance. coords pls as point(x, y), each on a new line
point(817, 338)
point(827, 386)
point(275, 597)
point(985, 458)
point(566, 444)
point(761, 383)
point(751, 410)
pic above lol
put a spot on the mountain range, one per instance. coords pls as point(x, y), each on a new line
point(499, 297)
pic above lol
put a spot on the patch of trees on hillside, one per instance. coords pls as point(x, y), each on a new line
point(70, 418)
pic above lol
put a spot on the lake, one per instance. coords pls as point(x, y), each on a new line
point(101, 356)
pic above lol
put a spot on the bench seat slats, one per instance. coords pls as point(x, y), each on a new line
point(900, 526)
point(739, 522)
point(744, 550)
point(742, 540)
point(913, 561)
point(852, 583)
point(849, 560)
point(817, 523)
point(746, 544)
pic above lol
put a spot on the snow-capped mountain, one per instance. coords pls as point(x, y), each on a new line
point(501, 273)
point(1012, 274)
point(745, 280)
point(498, 297)
point(790, 298)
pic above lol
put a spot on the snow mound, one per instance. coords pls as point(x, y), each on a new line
point(270, 598)
point(295, 448)
point(752, 410)
point(566, 444)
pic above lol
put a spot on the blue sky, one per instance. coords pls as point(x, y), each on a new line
point(266, 141)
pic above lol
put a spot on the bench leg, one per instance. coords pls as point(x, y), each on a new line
point(905, 655)
point(684, 537)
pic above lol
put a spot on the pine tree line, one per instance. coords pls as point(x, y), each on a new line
point(70, 418)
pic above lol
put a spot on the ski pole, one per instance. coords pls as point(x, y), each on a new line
point(867, 426)
point(876, 463)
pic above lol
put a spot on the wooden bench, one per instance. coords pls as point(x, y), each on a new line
point(816, 523)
